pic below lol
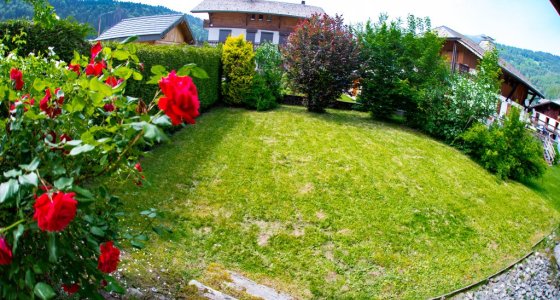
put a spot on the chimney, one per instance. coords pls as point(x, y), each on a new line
point(487, 43)
point(302, 2)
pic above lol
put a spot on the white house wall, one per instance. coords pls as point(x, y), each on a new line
point(214, 34)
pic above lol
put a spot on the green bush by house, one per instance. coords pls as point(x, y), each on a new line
point(239, 69)
point(509, 150)
point(173, 58)
point(64, 36)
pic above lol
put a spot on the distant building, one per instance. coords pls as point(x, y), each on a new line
point(463, 55)
point(258, 20)
point(547, 114)
point(159, 29)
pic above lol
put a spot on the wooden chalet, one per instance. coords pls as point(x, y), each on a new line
point(159, 29)
point(463, 55)
point(258, 20)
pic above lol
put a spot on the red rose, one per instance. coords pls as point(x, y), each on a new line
point(138, 167)
point(17, 77)
point(112, 81)
point(95, 68)
point(95, 49)
point(52, 108)
point(71, 289)
point(5, 252)
point(75, 68)
point(109, 107)
point(54, 212)
point(180, 102)
point(109, 258)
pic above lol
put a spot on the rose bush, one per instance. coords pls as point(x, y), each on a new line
point(59, 232)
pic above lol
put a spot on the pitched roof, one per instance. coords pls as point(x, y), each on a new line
point(259, 7)
point(147, 28)
point(546, 101)
point(556, 4)
point(448, 33)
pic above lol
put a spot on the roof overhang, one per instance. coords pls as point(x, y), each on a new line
point(249, 12)
point(556, 4)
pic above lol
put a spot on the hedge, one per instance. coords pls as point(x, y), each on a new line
point(173, 58)
point(65, 37)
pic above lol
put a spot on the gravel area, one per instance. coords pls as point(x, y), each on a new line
point(537, 277)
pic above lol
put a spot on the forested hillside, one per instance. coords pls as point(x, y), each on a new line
point(92, 11)
point(543, 69)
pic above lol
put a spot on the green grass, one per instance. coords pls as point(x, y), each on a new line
point(345, 98)
point(328, 206)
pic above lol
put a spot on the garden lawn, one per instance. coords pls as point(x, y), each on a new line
point(327, 206)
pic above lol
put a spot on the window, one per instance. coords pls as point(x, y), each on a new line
point(266, 37)
point(224, 33)
point(269, 18)
point(253, 17)
point(261, 17)
point(251, 34)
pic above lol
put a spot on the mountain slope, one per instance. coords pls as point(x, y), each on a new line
point(97, 12)
point(543, 69)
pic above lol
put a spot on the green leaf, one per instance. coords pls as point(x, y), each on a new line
point(158, 230)
point(162, 121)
point(29, 278)
point(123, 72)
point(83, 192)
point(74, 142)
point(198, 72)
point(142, 237)
point(53, 258)
point(121, 54)
point(32, 166)
point(29, 179)
point(130, 39)
point(81, 149)
point(137, 76)
point(64, 183)
point(13, 173)
point(44, 291)
point(8, 189)
point(97, 231)
point(17, 234)
point(39, 85)
point(158, 70)
point(137, 244)
point(113, 285)
point(186, 69)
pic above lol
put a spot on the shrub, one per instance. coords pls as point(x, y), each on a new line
point(175, 57)
point(402, 68)
point(62, 126)
point(238, 59)
point(261, 96)
point(269, 66)
point(321, 57)
point(510, 151)
point(64, 36)
point(471, 98)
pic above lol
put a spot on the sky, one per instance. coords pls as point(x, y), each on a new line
point(528, 24)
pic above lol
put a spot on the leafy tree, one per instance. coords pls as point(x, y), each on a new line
point(402, 68)
point(321, 56)
point(510, 151)
point(238, 59)
point(471, 98)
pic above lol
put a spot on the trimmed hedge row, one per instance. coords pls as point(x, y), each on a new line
point(173, 58)
point(65, 37)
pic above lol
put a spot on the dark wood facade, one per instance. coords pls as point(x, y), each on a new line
point(283, 24)
point(461, 59)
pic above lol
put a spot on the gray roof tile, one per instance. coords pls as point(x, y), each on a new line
point(258, 6)
point(146, 28)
